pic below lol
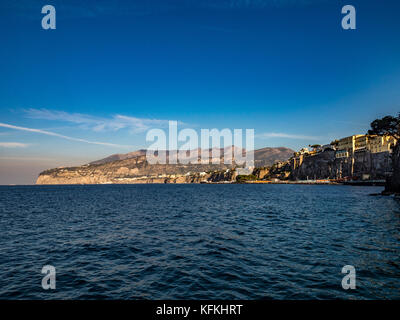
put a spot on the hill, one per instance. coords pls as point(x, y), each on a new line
point(133, 168)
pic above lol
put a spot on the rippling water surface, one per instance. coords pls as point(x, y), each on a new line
point(198, 241)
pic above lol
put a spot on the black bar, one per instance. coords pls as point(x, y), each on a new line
point(204, 309)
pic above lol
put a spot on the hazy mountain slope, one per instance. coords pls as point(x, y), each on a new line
point(268, 156)
point(120, 156)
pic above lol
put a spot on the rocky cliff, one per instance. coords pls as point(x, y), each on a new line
point(281, 171)
point(364, 165)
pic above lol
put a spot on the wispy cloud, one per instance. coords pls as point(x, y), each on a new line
point(268, 135)
point(117, 122)
point(13, 145)
point(49, 133)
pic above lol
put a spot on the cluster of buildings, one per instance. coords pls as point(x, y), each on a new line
point(346, 147)
point(363, 142)
point(354, 157)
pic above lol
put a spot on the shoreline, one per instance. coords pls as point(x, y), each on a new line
point(302, 182)
point(376, 183)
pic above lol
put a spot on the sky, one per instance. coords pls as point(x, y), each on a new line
point(112, 70)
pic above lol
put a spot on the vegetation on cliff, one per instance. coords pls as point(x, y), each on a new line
point(244, 178)
point(390, 126)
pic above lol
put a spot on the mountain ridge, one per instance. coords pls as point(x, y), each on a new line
point(260, 155)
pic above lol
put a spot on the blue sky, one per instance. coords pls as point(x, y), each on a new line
point(113, 70)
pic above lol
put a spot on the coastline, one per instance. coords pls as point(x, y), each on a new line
point(375, 183)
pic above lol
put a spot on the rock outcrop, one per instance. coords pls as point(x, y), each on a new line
point(280, 171)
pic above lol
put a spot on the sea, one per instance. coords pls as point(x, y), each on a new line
point(199, 241)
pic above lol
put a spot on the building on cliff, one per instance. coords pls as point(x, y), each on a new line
point(382, 144)
point(373, 143)
point(355, 157)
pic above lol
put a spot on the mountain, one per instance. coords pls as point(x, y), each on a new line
point(262, 157)
point(268, 156)
point(133, 168)
point(120, 156)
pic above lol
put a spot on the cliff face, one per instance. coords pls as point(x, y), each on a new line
point(279, 171)
point(366, 165)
